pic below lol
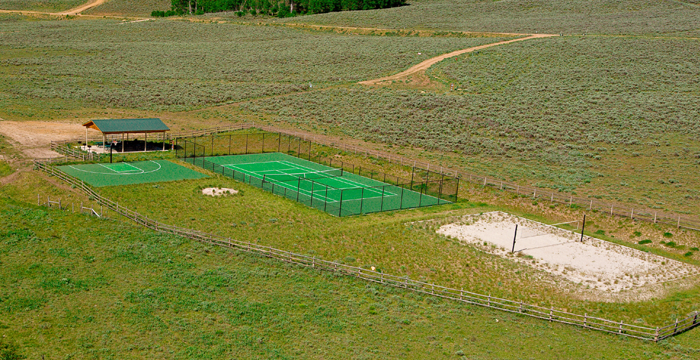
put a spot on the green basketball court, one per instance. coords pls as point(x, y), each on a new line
point(130, 173)
point(332, 190)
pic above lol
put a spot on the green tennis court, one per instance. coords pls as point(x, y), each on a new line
point(130, 173)
point(332, 190)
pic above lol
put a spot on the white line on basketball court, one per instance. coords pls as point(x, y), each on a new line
point(117, 173)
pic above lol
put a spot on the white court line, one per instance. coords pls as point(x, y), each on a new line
point(124, 171)
point(250, 163)
point(347, 181)
point(118, 173)
point(350, 182)
point(264, 171)
point(282, 184)
point(110, 169)
point(354, 184)
point(316, 194)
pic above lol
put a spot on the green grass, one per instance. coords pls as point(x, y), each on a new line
point(118, 174)
point(5, 169)
point(7, 152)
point(210, 63)
point(382, 240)
point(40, 5)
point(529, 16)
point(85, 288)
point(540, 112)
point(129, 7)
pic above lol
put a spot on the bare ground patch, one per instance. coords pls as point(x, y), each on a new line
point(34, 137)
point(219, 191)
point(598, 265)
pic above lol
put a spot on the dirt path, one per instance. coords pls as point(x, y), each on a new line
point(74, 11)
point(430, 62)
point(77, 10)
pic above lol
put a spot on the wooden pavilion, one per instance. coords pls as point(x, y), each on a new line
point(126, 127)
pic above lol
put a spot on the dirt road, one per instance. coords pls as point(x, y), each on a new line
point(430, 62)
point(72, 12)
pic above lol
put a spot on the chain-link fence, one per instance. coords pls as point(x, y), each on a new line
point(388, 192)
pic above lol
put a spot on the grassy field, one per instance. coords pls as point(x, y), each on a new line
point(40, 5)
point(611, 117)
point(129, 7)
point(7, 153)
point(129, 293)
point(387, 242)
point(566, 113)
point(530, 16)
point(177, 65)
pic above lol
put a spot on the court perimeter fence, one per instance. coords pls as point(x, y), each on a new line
point(424, 188)
point(404, 282)
point(681, 221)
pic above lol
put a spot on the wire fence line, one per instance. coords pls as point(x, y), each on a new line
point(541, 194)
point(404, 282)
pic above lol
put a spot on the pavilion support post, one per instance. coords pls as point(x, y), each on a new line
point(122, 143)
point(163, 141)
point(145, 142)
point(104, 141)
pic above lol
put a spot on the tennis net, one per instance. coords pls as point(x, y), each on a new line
point(303, 176)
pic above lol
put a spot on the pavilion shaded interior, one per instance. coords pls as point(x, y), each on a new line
point(124, 127)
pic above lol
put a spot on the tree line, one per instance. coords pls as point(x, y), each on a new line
point(278, 8)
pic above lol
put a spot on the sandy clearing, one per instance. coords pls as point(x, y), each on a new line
point(595, 263)
point(432, 61)
point(40, 133)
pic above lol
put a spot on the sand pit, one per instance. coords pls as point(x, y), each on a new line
point(594, 263)
point(219, 191)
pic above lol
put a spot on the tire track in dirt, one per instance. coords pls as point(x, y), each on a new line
point(432, 61)
point(71, 12)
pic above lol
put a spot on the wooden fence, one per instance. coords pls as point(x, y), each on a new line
point(403, 282)
point(540, 194)
point(61, 147)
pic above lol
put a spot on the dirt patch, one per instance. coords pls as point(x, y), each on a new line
point(594, 263)
point(40, 133)
point(219, 191)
